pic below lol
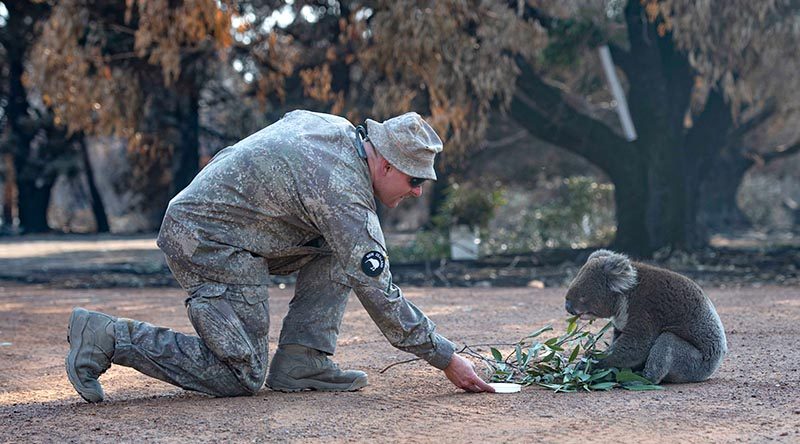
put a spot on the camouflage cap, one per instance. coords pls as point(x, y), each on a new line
point(407, 142)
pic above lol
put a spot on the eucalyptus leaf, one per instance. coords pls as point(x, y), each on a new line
point(574, 353)
point(641, 387)
point(600, 375)
point(496, 354)
point(539, 331)
point(572, 324)
point(626, 375)
point(603, 386)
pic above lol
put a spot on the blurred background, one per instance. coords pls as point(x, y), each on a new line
point(650, 126)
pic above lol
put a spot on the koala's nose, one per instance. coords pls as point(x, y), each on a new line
point(568, 307)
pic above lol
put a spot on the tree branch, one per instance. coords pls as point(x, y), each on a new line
point(768, 111)
point(505, 141)
point(779, 152)
point(542, 110)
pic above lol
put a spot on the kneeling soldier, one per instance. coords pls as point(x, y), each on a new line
point(299, 195)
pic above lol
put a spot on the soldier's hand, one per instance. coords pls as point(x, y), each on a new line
point(461, 373)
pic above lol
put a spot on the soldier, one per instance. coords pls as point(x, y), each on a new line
point(299, 195)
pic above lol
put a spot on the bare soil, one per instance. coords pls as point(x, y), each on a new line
point(752, 398)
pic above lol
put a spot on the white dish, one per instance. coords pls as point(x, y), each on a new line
point(505, 387)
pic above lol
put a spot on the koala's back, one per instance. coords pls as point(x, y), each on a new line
point(674, 303)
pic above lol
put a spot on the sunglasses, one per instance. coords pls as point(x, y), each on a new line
point(416, 181)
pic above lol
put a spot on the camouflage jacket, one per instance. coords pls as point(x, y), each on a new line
point(273, 201)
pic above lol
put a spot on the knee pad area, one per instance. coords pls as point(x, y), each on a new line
point(226, 336)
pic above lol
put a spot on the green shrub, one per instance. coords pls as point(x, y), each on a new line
point(578, 215)
point(469, 205)
point(426, 246)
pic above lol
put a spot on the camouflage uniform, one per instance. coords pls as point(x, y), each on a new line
point(294, 196)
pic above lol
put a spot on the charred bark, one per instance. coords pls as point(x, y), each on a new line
point(32, 199)
point(33, 191)
point(33, 202)
point(186, 154)
point(98, 209)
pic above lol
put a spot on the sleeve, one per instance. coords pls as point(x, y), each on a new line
point(354, 233)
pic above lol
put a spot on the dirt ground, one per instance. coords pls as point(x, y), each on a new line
point(752, 398)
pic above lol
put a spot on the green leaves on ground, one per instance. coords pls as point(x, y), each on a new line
point(566, 363)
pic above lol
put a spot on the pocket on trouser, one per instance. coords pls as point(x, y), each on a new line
point(235, 330)
point(251, 305)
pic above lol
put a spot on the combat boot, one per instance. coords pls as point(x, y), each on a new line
point(91, 346)
point(296, 367)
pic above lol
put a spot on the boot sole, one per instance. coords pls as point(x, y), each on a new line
point(299, 385)
point(77, 324)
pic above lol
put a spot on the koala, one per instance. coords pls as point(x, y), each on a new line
point(663, 322)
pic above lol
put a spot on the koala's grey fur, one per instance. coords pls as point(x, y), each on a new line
point(663, 322)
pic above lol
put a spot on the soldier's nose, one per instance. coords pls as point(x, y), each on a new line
point(416, 191)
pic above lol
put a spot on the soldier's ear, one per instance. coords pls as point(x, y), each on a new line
point(385, 166)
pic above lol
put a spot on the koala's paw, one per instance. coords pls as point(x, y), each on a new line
point(654, 375)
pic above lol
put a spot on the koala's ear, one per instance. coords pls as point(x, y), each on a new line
point(618, 269)
point(600, 253)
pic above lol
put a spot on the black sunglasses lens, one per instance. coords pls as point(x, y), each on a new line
point(416, 181)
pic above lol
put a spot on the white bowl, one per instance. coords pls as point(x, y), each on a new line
point(505, 387)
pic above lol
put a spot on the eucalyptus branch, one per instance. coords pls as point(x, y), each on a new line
point(566, 363)
point(398, 363)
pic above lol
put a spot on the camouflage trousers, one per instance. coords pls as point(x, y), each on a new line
point(230, 355)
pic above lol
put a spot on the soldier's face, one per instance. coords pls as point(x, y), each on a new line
point(393, 186)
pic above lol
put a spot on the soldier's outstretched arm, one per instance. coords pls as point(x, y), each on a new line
point(404, 325)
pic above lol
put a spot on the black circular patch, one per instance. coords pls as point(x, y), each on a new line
point(373, 263)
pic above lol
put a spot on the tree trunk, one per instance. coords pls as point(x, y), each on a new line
point(660, 82)
point(716, 169)
point(33, 194)
point(186, 154)
point(171, 125)
point(9, 193)
point(630, 191)
point(33, 202)
point(718, 209)
point(100, 217)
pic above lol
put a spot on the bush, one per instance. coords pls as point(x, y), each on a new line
point(426, 246)
point(578, 213)
point(469, 205)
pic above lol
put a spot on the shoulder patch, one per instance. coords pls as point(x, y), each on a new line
point(373, 263)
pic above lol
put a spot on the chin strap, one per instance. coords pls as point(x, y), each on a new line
point(361, 137)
